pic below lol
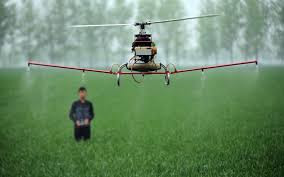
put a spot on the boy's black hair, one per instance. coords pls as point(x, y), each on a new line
point(82, 89)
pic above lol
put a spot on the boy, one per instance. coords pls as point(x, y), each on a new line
point(82, 113)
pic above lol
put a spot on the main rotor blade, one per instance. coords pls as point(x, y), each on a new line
point(183, 19)
point(147, 23)
point(102, 25)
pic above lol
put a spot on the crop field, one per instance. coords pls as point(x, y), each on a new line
point(227, 122)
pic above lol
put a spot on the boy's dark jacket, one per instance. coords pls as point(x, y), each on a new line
point(80, 111)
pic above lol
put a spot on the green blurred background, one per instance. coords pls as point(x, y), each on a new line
point(227, 122)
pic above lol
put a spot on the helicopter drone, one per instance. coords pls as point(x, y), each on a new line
point(145, 51)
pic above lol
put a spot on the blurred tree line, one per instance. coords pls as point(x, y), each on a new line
point(247, 29)
point(41, 30)
point(31, 29)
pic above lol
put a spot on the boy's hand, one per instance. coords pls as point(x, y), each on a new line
point(86, 121)
point(78, 123)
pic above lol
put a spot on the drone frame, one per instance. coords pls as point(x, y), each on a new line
point(167, 72)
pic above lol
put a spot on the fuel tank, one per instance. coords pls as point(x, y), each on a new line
point(145, 51)
point(144, 67)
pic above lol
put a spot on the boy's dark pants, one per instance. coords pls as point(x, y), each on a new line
point(82, 132)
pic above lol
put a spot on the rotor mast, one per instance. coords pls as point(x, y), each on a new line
point(142, 27)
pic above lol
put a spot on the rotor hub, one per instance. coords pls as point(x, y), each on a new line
point(142, 26)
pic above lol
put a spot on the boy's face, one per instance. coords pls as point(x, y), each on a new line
point(82, 95)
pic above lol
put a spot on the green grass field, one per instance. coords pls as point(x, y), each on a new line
point(229, 122)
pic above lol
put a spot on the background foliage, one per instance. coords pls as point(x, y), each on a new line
point(39, 30)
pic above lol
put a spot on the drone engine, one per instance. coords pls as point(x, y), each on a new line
point(144, 50)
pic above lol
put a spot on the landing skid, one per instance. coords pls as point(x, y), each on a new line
point(119, 72)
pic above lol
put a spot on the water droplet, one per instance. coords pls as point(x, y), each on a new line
point(83, 79)
point(28, 69)
point(203, 79)
point(203, 76)
point(257, 68)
